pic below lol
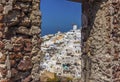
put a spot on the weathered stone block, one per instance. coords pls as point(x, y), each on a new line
point(27, 79)
point(25, 22)
point(1, 54)
point(25, 64)
point(36, 13)
point(23, 30)
point(18, 48)
point(2, 1)
point(28, 45)
point(14, 72)
point(1, 27)
point(12, 56)
point(1, 8)
point(1, 34)
point(35, 30)
point(12, 18)
point(36, 21)
point(3, 71)
point(18, 56)
point(28, 54)
point(6, 80)
point(24, 5)
point(7, 9)
point(8, 46)
point(35, 60)
point(35, 6)
point(1, 45)
point(12, 63)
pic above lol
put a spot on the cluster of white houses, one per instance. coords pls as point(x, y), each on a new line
point(62, 53)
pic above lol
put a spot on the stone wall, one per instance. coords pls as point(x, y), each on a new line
point(19, 40)
point(101, 43)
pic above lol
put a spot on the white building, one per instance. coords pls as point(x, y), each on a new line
point(65, 50)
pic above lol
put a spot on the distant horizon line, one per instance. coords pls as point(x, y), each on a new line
point(58, 31)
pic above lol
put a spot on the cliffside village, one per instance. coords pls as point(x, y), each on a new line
point(62, 53)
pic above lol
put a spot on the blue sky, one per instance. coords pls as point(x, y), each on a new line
point(59, 15)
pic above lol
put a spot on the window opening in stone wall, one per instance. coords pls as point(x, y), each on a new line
point(61, 35)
